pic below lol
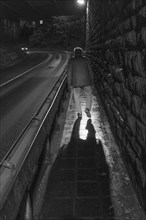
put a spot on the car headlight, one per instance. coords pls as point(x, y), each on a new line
point(24, 48)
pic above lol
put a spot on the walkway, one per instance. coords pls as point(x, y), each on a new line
point(88, 179)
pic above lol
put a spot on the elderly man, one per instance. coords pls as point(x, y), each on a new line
point(80, 76)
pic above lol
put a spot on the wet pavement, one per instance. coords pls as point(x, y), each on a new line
point(88, 179)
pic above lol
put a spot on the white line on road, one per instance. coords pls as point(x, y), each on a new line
point(3, 84)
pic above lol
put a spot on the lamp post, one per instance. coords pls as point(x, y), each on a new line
point(83, 3)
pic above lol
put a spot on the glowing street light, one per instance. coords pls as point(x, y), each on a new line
point(41, 21)
point(81, 2)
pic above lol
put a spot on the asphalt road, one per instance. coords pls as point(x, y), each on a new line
point(22, 95)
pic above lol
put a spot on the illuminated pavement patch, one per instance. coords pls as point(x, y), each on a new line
point(88, 179)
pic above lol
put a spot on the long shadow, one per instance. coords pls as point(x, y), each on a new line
point(79, 184)
point(75, 131)
point(69, 149)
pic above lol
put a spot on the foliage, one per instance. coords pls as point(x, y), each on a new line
point(69, 30)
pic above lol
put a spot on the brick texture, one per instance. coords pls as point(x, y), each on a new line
point(116, 44)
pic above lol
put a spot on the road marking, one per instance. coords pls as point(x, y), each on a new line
point(63, 67)
point(3, 84)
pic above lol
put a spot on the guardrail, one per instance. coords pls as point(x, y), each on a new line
point(18, 167)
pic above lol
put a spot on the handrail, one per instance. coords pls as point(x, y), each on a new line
point(28, 124)
point(21, 159)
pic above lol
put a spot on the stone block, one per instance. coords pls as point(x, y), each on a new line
point(131, 152)
point(143, 113)
point(120, 42)
point(117, 89)
point(127, 25)
point(133, 21)
point(107, 78)
point(130, 39)
point(119, 117)
point(122, 110)
point(136, 4)
point(140, 133)
point(138, 149)
point(110, 68)
point(141, 172)
point(124, 140)
point(138, 63)
point(142, 12)
point(119, 132)
point(141, 18)
point(131, 123)
point(109, 55)
point(143, 36)
point(120, 58)
point(120, 29)
point(137, 85)
point(127, 97)
point(118, 74)
point(128, 59)
point(136, 105)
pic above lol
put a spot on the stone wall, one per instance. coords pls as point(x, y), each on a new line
point(116, 44)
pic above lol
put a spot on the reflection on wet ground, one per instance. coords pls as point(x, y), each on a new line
point(88, 179)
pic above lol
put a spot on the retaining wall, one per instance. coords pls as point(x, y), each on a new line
point(116, 44)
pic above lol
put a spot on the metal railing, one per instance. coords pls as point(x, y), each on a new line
point(18, 165)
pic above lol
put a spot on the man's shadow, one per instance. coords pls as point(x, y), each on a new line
point(89, 127)
point(102, 168)
point(81, 151)
point(75, 132)
point(75, 136)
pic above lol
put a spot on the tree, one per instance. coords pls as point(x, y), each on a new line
point(69, 30)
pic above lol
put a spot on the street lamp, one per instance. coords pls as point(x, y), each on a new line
point(81, 2)
point(41, 21)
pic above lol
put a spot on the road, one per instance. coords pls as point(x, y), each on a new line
point(22, 96)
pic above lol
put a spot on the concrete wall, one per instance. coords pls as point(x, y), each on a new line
point(116, 43)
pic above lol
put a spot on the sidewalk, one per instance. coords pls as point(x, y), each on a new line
point(88, 179)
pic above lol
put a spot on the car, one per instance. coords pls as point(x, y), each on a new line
point(24, 48)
